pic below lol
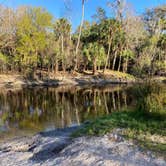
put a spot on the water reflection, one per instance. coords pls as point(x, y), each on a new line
point(35, 109)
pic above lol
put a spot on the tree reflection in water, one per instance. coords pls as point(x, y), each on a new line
point(35, 109)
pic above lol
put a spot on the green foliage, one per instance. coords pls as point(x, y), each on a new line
point(4, 61)
point(148, 119)
point(31, 32)
point(160, 66)
point(128, 54)
point(162, 41)
point(101, 56)
point(3, 58)
point(62, 27)
point(94, 51)
point(135, 125)
point(150, 99)
point(32, 40)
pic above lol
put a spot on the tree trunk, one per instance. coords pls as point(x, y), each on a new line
point(106, 63)
point(99, 68)
point(56, 67)
point(63, 55)
point(125, 66)
point(114, 61)
point(120, 60)
point(63, 67)
point(48, 70)
point(79, 36)
point(84, 67)
point(94, 66)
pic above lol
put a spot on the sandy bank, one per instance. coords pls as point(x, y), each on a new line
point(18, 81)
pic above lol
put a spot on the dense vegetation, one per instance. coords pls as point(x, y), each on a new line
point(32, 40)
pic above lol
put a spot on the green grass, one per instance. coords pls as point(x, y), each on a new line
point(145, 124)
point(138, 126)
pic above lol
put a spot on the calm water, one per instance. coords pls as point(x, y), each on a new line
point(32, 110)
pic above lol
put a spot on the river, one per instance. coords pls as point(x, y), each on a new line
point(31, 110)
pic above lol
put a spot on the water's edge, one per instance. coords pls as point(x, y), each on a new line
point(17, 81)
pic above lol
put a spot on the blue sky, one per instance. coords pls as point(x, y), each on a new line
point(56, 7)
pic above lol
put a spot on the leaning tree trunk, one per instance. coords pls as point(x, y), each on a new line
point(79, 36)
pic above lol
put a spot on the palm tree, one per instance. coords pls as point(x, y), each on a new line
point(62, 30)
point(80, 31)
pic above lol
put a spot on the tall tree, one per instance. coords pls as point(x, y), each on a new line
point(80, 31)
point(31, 33)
point(62, 31)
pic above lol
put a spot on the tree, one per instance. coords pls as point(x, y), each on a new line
point(79, 35)
point(100, 15)
point(118, 7)
point(33, 43)
point(7, 35)
point(154, 20)
point(155, 25)
point(31, 33)
point(135, 34)
point(95, 53)
point(62, 31)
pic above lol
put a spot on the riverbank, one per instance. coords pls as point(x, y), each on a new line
point(57, 148)
point(122, 138)
point(128, 136)
point(18, 81)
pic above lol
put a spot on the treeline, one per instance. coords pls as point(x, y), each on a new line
point(32, 40)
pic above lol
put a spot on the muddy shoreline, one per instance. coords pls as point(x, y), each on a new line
point(17, 81)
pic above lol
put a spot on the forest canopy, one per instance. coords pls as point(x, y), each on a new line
point(32, 40)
